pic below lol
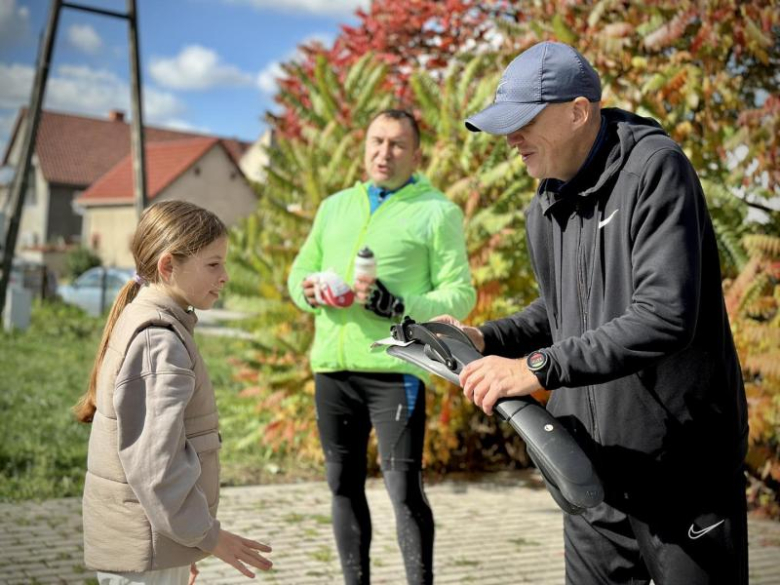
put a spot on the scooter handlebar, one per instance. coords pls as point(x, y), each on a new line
point(567, 470)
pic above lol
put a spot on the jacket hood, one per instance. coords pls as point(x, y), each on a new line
point(623, 132)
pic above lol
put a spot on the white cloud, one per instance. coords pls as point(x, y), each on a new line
point(266, 79)
point(15, 83)
point(14, 22)
point(160, 106)
point(334, 7)
point(6, 123)
point(84, 38)
point(81, 89)
point(197, 68)
point(185, 126)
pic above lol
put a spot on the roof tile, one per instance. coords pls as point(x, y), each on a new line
point(77, 150)
point(165, 161)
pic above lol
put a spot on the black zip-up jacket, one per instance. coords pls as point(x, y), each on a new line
point(631, 313)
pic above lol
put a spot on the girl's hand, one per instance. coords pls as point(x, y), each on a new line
point(193, 574)
point(236, 550)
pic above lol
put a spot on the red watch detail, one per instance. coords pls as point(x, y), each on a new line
point(537, 361)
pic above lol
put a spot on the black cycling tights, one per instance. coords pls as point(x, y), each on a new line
point(352, 522)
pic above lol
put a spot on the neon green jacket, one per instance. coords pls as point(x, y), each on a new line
point(418, 242)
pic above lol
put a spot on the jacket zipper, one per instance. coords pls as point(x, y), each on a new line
point(581, 289)
point(351, 267)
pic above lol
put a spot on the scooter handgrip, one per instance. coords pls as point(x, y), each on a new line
point(559, 458)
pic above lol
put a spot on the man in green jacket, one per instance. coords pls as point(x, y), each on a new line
point(416, 235)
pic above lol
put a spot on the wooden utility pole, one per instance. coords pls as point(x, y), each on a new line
point(139, 156)
point(19, 185)
point(20, 180)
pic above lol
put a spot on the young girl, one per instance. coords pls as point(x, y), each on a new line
point(152, 483)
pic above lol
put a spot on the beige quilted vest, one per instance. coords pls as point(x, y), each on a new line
point(117, 534)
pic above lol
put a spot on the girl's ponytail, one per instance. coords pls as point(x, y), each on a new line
point(85, 407)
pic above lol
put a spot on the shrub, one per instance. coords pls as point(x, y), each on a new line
point(80, 260)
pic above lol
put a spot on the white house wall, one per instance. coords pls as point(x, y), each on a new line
point(34, 222)
point(37, 227)
point(255, 160)
point(108, 231)
point(215, 183)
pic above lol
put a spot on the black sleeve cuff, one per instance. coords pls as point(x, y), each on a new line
point(491, 338)
point(550, 378)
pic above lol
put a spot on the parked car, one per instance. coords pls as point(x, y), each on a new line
point(87, 291)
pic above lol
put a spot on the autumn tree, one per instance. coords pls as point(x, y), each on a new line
point(405, 36)
point(707, 71)
point(753, 302)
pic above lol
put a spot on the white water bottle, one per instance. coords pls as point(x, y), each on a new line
point(365, 263)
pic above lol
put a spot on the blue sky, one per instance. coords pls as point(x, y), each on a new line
point(208, 65)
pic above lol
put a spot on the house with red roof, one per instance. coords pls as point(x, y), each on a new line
point(81, 182)
point(199, 170)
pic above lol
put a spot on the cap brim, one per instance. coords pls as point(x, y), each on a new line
point(504, 117)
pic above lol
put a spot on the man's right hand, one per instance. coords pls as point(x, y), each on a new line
point(236, 550)
point(474, 334)
point(309, 293)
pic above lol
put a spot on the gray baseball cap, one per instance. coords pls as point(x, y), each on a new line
point(546, 73)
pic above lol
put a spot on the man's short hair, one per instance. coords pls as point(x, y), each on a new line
point(401, 115)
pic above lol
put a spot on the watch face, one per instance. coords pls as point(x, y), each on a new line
point(536, 361)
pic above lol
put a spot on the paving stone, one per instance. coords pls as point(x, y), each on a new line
point(496, 530)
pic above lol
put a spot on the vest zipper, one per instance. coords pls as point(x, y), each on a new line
point(207, 432)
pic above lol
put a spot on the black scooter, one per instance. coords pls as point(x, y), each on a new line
point(444, 350)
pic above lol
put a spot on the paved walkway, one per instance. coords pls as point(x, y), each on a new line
point(501, 529)
point(212, 322)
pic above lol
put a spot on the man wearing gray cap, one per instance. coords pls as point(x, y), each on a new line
point(630, 330)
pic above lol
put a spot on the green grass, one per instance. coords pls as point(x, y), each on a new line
point(42, 449)
point(44, 371)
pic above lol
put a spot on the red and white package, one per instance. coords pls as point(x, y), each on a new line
point(331, 290)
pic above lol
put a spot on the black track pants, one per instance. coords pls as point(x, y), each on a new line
point(604, 545)
point(348, 405)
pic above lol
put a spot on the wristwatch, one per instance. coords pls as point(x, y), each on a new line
point(538, 362)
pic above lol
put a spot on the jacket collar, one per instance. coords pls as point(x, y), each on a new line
point(417, 183)
point(620, 131)
point(151, 296)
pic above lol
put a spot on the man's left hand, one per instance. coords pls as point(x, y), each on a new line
point(486, 380)
point(384, 303)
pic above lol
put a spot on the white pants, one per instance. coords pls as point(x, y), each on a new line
point(172, 576)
